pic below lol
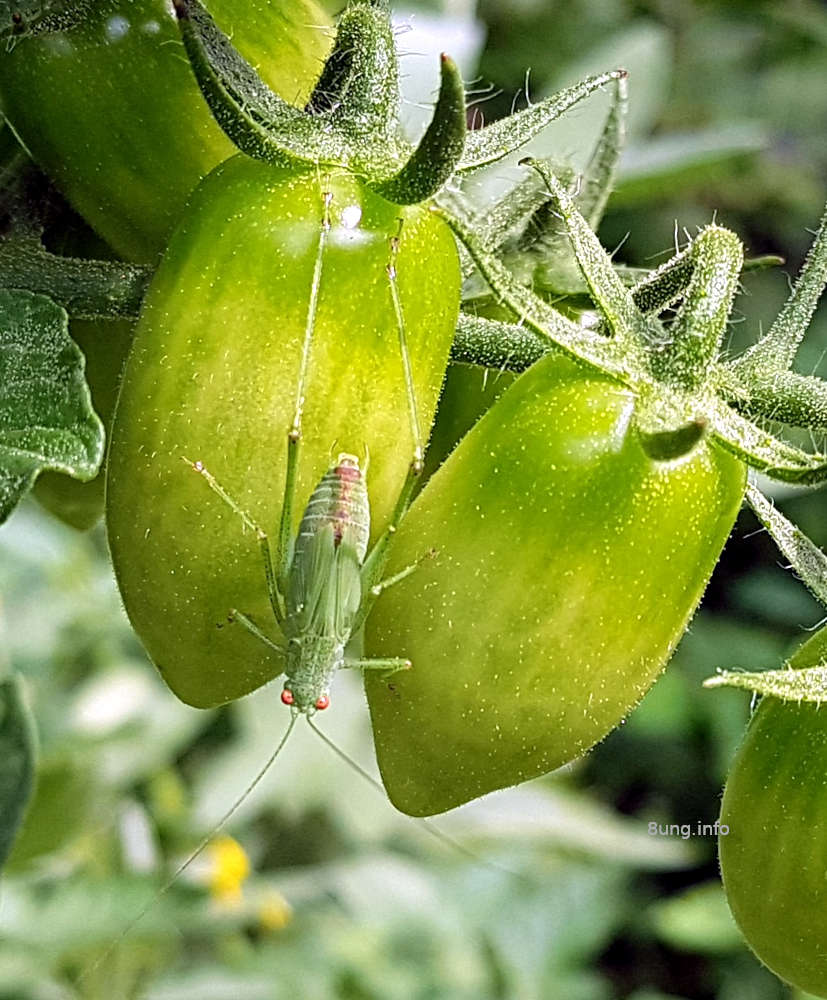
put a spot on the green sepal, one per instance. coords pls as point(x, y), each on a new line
point(360, 71)
point(435, 158)
point(500, 222)
point(555, 269)
point(543, 251)
point(87, 289)
point(583, 345)
point(256, 119)
point(790, 398)
point(493, 344)
point(655, 291)
point(807, 684)
point(368, 108)
point(762, 450)
point(18, 753)
point(600, 173)
point(776, 351)
point(762, 263)
point(44, 18)
point(46, 415)
point(662, 288)
point(698, 330)
point(632, 334)
point(492, 143)
point(806, 558)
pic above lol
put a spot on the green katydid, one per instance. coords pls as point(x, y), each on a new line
point(323, 582)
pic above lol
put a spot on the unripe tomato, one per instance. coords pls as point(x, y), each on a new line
point(568, 565)
point(111, 112)
point(212, 377)
point(774, 855)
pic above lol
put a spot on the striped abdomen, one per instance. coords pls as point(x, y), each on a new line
point(341, 500)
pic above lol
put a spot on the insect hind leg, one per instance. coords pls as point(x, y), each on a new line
point(376, 558)
point(294, 433)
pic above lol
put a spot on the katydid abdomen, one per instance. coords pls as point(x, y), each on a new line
point(324, 590)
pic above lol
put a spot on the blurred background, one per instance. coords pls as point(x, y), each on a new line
point(555, 889)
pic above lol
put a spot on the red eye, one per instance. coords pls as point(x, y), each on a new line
point(287, 696)
point(322, 702)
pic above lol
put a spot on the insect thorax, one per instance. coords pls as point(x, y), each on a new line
point(311, 663)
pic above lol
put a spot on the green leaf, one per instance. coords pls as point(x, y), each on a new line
point(17, 761)
point(46, 415)
point(87, 289)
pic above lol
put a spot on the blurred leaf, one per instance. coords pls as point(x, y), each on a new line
point(58, 810)
point(777, 597)
point(215, 982)
point(697, 920)
point(664, 164)
point(555, 818)
point(46, 415)
point(644, 50)
point(17, 761)
point(87, 289)
point(128, 712)
point(653, 995)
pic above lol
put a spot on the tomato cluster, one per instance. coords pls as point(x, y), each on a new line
point(311, 290)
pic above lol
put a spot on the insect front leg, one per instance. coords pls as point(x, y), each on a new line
point(250, 625)
point(273, 592)
point(295, 432)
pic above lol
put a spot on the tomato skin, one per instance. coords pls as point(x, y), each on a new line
point(111, 112)
point(212, 377)
point(568, 565)
point(774, 858)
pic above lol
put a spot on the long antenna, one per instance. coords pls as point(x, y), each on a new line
point(444, 838)
point(219, 826)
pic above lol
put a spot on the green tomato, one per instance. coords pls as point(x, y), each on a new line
point(774, 854)
point(568, 564)
point(212, 376)
point(110, 110)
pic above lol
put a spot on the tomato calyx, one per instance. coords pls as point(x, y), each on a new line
point(685, 390)
point(351, 121)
